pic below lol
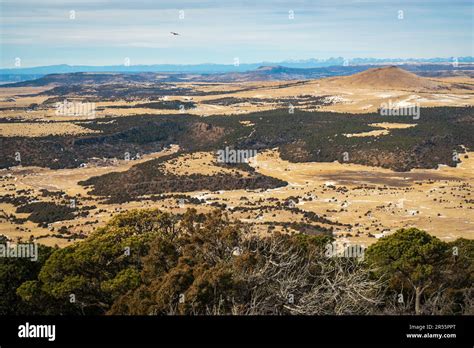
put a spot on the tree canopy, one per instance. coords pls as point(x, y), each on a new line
point(153, 262)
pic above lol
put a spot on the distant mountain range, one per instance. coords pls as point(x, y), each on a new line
point(263, 73)
point(22, 74)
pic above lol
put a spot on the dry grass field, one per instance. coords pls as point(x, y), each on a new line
point(359, 93)
point(26, 129)
point(372, 200)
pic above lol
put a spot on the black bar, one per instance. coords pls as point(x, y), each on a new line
point(260, 330)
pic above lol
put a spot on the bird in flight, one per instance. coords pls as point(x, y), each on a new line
point(172, 32)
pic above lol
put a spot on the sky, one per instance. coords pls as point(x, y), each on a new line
point(115, 32)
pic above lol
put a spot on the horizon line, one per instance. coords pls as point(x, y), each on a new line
point(291, 61)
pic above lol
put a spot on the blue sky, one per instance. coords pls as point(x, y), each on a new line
point(106, 32)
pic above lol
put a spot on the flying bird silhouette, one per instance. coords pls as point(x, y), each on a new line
point(172, 32)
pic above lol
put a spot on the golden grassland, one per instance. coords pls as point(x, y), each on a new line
point(26, 129)
point(375, 201)
point(349, 97)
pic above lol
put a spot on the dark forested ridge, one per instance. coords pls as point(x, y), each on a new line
point(150, 178)
point(301, 137)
